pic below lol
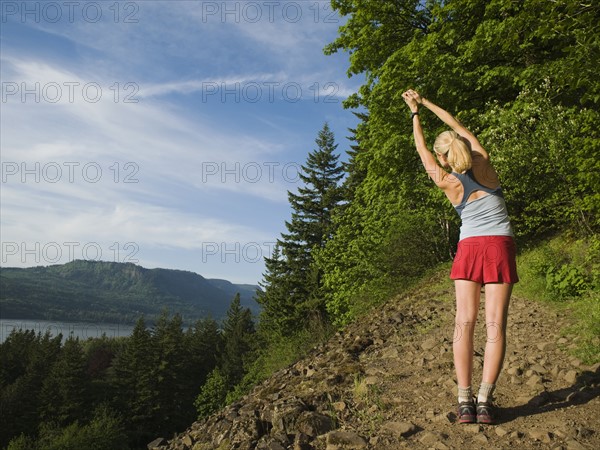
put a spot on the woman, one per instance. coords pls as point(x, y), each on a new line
point(485, 255)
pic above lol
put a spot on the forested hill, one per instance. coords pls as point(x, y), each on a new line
point(114, 292)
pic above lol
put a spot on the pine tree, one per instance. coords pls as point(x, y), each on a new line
point(292, 283)
point(238, 332)
point(170, 370)
point(135, 378)
point(66, 388)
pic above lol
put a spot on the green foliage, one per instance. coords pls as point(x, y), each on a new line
point(212, 395)
point(548, 164)
point(104, 432)
point(565, 281)
point(292, 282)
point(506, 70)
point(99, 291)
point(275, 353)
point(238, 342)
point(66, 388)
point(25, 361)
point(57, 396)
point(566, 272)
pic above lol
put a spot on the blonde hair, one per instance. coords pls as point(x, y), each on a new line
point(457, 151)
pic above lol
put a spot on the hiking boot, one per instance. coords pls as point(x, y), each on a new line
point(466, 412)
point(486, 413)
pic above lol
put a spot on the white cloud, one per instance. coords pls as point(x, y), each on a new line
point(184, 154)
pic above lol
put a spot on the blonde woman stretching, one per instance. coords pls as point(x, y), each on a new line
point(485, 255)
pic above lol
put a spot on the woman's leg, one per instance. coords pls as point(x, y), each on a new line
point(467, 306)
point(497, 298)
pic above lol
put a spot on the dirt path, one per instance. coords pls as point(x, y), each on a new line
point(387, 382)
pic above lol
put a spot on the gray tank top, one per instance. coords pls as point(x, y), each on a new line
point(485, 216)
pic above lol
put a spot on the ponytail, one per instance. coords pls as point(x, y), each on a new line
point(457, 151)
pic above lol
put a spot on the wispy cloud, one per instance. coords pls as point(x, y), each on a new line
point(150, 160)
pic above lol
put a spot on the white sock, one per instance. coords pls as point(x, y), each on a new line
point(465, 394)
point(485, 392)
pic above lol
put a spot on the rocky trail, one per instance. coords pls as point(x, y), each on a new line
point(387, 382)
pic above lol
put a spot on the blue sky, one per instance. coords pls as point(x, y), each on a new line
point(161, 133)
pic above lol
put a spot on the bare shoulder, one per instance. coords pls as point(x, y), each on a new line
point(483, 170)
point(453, 188)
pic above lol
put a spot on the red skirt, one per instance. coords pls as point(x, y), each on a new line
point(486, 259)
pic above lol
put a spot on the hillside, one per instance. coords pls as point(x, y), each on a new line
point(387, 382)
point(114, 292)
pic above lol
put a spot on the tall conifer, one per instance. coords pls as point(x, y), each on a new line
point(292, 282)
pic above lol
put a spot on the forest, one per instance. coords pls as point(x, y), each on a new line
point(523, 76)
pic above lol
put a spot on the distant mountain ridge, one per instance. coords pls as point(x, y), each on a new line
point(100, 291)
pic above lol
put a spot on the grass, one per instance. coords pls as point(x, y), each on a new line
point(369, 403)
point(565, 273)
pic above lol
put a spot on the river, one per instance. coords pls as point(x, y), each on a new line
point(81, 330)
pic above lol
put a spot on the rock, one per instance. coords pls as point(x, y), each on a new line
point(156, 443)
point(481, 439)
point(274, 445)
point(584, 433)
point(431, 438)
point(517, 435)
point(501, 431)
point(390, 352)
point(346, 440)
point(540, 435)
point(285, 415)
point(472, 428)
point(534, 380)
point(514, 371)
point(572, 444)
point(314, 424)
point(187, 440)
point(309, 371)
point(370, 381)
point(537, 368)
point(302, 442)
point(576, 362)
point(339, 406)
point(428, 344)
point(571, 376)
point(546, 346)
point(443, 418)
point(400, 428)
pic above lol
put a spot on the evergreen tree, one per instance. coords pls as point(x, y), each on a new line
point(238, 333)
point(292, 283)
point(170, 372)
point(136, 385)
point(66, 388)
point(32, 357)
point(203, 342)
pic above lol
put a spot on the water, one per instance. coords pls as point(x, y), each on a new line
point(81, 330)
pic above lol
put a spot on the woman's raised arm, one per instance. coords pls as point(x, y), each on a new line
point(453, 123)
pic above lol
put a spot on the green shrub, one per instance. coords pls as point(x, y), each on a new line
point(565, 281)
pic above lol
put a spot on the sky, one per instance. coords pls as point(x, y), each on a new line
point(162, 133)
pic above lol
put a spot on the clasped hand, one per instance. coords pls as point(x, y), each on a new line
point(412, 99)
